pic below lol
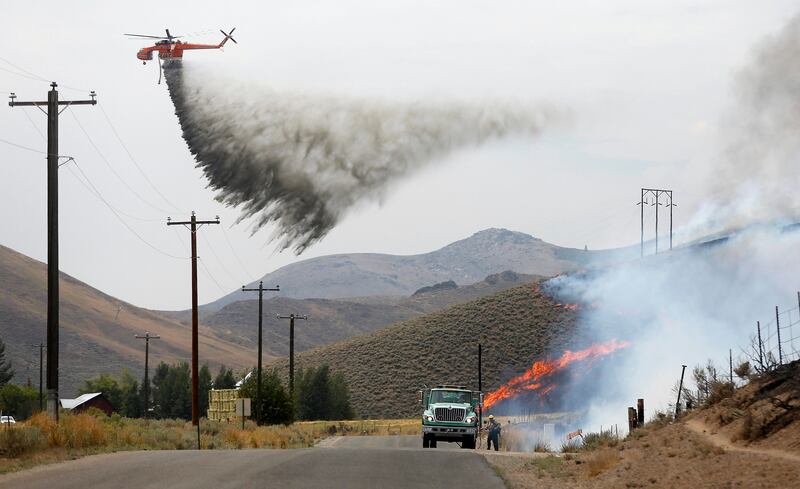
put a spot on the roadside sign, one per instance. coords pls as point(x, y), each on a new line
point(575, 434)
point(243, 406)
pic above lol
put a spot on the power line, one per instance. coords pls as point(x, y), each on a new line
point(20, 146)
point(178, 237)
point(97, 194)
point(19, 74)
point(138, 167)
point(208, 272)
point(33, 124)
point(110, 167)
point(111, 208)
point(236, 255)
point(208, 242)
point(26, 72)
point(602, 222)
point(93, 190)
point(34, 76)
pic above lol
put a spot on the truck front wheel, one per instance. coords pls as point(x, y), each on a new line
point(426, 442)
point(469, 442)
point(433, 441)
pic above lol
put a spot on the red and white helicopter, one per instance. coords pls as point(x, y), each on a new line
point(170, 47)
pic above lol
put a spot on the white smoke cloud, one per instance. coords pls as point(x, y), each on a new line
point(679, 308)
point(756, 177)
point(300, 161)
point(697, 302)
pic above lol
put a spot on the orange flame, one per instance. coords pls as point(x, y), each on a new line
point(533, 378)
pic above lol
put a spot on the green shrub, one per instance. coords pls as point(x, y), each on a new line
point(18, 401)
point(593, 441)
point(540, 446)
point(569, 447)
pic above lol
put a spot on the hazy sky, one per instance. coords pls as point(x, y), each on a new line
point(645, 83)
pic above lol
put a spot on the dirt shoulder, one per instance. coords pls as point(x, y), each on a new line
point(675, 456)
point(720, 440)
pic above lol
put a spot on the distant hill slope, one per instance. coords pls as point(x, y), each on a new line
point(97, 330)
point(332, 320)
point(466, 261)
point(385, 368)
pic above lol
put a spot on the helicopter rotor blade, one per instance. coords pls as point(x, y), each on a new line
point(229, 35)
point(145, 36)
point(170, 36)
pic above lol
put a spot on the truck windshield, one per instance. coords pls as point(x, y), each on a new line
point(455, 397)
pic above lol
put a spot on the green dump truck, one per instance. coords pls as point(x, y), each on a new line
point(449, 414)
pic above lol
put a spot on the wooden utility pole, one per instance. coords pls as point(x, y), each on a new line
point(730, 353)
point(41, 369)
point(631, 419)
point(778, 329)
point(480, 385)
point(291, 318)
point(640, 412)
point(147, 337)
point(760, 346)
point(52, 113)
point(193, 225)
point(260, 291)
point(680, 389)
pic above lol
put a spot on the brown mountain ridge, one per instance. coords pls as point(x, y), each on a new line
point(96, 330)
point(331, 320)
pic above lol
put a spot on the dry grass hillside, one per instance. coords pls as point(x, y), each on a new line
point(750, 438)
point(97, 330)
point(333, 320)
point(385, 368)
point(764, 414)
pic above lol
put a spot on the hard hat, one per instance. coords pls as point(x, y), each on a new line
point(491, 416)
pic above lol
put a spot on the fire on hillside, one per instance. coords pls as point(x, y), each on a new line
point(542, 377)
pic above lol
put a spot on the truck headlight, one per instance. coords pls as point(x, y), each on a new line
point(471, 419)
point(427, 417)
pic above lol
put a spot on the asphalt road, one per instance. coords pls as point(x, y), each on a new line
point(375, 463)
point(374, 442)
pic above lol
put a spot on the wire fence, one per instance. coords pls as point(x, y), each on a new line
point(777, 341)
point(773, 343)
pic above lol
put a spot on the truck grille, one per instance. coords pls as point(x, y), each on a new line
point(450, 414)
